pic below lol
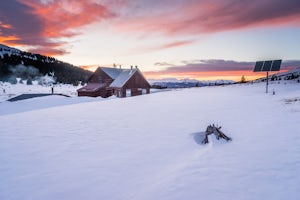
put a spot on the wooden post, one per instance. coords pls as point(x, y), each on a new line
point(267, 83)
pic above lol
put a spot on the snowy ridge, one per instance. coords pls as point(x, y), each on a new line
point(293, 74)
point(295, 71)
point(9, 51)
point(5, 50)
point(30, 66)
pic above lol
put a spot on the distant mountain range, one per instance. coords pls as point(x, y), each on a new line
point(28, 66)
point(186, 83)
point(293, 74)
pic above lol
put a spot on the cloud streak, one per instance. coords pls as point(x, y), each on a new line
point(45, 24)
point(192, 17)
point(205, 68)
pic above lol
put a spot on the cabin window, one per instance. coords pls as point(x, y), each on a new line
point(100, 79)
point(119, 93)
point(128, 92)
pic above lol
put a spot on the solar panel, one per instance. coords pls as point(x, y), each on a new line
point(258, 66)
point(276, 65)
point(267, 66)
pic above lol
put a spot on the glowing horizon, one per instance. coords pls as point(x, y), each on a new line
point(181, 38)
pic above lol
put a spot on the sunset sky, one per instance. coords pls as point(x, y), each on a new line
point(198, 39)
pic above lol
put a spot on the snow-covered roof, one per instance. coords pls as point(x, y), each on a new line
point(112, 72)
point(123, 77)
point(91, 87)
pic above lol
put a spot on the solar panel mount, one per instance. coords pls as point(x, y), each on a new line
point(267, 66)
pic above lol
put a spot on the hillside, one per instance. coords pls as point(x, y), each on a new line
point(148, 147)
point(28, 66)
point(293, 74)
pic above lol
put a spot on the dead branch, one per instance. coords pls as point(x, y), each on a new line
point(212, 129)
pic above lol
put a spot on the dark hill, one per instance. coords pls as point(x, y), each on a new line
point(26, 65)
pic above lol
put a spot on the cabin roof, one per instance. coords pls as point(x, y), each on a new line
point(92, 87)
point(124, 76)
point(112, 72)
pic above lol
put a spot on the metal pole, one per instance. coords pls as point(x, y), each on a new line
point(267, 83)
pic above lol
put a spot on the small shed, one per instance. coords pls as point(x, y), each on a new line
point(115, 81)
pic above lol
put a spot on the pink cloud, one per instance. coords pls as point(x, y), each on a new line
point(62, 18)
point(45, 24)
point(49, 51)
point(194, 17)
point(176, 44)
point(155, 47)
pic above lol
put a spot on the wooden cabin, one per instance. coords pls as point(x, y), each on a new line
point(106, 82)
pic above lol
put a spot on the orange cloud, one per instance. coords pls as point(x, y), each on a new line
point(44, 24)
point(8, 40)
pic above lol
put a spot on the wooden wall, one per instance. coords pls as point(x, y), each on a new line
point(136, 84)
point(102, 92)
point(137, 81)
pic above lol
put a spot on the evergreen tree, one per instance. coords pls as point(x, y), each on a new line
point(243, 79)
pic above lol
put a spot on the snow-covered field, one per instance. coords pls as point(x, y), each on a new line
point(148, 147)
point(8, 90)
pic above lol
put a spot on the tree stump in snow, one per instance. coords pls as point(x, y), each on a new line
point(212, 129)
